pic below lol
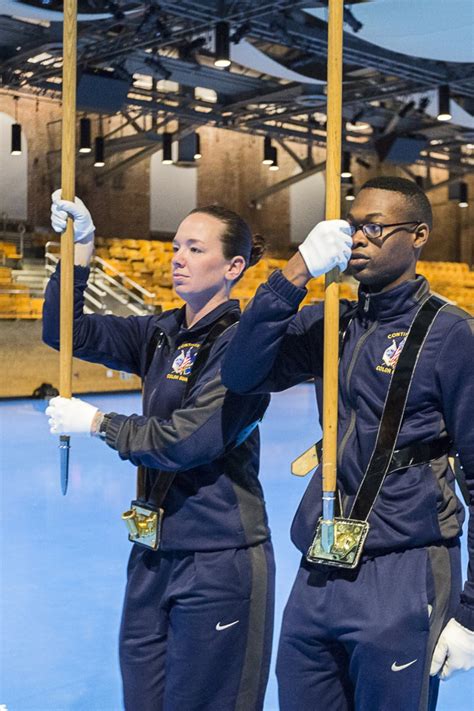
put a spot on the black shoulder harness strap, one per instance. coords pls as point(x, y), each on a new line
point(228, 319)
point(394, 409)
point(163, 480)
point(344, 323)
point(157, 337)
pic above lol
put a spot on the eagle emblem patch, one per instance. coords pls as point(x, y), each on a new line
point(183, 363)
point(391, 354)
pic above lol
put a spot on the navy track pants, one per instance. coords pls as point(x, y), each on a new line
point(364, 639)
point(196, 631)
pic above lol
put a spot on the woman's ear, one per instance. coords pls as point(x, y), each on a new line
point(235, 268)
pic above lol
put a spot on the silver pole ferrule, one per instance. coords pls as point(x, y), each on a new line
point(327, 523)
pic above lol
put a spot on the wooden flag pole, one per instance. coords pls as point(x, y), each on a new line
point(331, 305)
point(68, 170)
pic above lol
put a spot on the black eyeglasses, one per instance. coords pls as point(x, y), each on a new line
point(373, 230)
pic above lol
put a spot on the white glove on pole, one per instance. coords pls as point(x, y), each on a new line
point(328, 245)
point(84, 228)
point(70, 415)
point(454, 651)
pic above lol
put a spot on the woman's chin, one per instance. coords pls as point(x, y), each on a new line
point(180, 288)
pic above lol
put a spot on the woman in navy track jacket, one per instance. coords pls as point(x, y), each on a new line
point(198, 612)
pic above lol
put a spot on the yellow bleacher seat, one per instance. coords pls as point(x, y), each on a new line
point(148, 263)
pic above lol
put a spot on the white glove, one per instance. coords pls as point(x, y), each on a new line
point(328, 245)
point(84, 228)
point(70, 415)
point(454, 651)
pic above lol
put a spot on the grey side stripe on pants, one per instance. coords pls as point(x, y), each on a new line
point(440, 562)
point(250, 682)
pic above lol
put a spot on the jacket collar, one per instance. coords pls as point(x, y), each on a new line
point(385, 305)
point(172, 322)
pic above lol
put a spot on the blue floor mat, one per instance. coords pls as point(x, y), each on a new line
point(63, 559)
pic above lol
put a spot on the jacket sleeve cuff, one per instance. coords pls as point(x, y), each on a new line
point(114, 424)
point(280, 285)
point(465, 616)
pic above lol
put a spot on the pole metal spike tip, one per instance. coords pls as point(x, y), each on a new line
point(64, 447)
point(327, 535)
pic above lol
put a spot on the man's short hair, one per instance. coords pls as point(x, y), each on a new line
point(414, 195)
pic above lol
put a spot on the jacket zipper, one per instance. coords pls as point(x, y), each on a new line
point(355, 355)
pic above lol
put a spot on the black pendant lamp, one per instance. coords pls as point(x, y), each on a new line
point(99, 153)
point(15, 149)
point(222, 45)
point(85, 136)
point(167, 157)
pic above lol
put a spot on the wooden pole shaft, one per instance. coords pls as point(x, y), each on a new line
point(68, 169)
point(333, 206)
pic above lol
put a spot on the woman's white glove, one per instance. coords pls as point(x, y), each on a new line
point(70, 415)
point(328, 245)
point(84, 228)
point(454, 651)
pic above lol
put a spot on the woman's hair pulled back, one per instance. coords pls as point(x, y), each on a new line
point(237, 238)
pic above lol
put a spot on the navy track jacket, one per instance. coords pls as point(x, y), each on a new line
point(275, 347)
point(216, 500)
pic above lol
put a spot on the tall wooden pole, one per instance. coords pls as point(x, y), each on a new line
point(68, 170)
point(331, 306)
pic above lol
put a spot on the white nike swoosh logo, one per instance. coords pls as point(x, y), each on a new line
point(398, 667)
point(220, 627)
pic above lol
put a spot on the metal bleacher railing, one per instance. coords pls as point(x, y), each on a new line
point(108, 290)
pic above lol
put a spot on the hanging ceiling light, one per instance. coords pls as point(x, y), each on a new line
point(197, 146)
point(222, 45)
point(443, 103)
point(463, 195)
point(274, 154)
point(267, 151)
point(16, 140)
point(346, 165)
point(350, 192)
point(167, 158)
point(99, 145)
point(85, 136)
point(15, 149)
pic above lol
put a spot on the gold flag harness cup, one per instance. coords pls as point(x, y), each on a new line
point(345, 552)
point(144, 524)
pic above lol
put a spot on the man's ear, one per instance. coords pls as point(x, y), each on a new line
point(421, 235)
point(235, 268)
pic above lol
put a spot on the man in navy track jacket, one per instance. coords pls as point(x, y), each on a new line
point(381, 636)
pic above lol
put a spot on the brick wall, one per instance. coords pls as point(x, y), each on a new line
point(230, 172)
point(113, 215)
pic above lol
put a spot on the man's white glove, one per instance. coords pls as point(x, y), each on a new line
point(70, 415)
point(328, 245)
point(454, 651)
point(84, 228)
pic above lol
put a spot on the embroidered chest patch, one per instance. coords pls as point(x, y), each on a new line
point(184, 360)
point(391, 354)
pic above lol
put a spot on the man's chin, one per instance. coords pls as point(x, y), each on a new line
point(357, 273)
point(363, 276)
